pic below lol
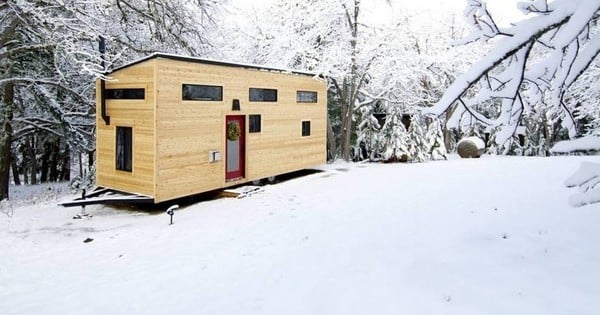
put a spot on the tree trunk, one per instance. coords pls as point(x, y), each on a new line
point(90, 160)
point(351, 85)
point(346, 127)
point(23, 150)
point(29, 146)
point(45, 158)
point(54, 156)
point(65, 173)
point(446, 131)
point(15, 170)
point(331, 147)
point(6, 116)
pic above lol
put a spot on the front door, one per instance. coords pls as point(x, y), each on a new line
point(235, 149)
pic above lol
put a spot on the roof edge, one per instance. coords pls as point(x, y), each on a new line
point(209, 62)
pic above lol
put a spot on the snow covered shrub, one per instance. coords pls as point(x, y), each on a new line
point(393, 140)
point(434, 139)
point(6, 208)
point(368, 135)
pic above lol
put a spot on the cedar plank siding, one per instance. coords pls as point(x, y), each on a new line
point(173, 137)
point(138, 114)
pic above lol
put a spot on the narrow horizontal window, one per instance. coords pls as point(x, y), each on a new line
point(306, 128)
point(124, 149)
point(263, 95)
point(194, 92)
point(254, 123)
point(125, 94)
point(306, 97)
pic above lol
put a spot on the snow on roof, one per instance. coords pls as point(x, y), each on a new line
point(211, 62)
point(580, 144)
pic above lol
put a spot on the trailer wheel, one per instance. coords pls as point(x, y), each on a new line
point(257, 182)
point(271, 179)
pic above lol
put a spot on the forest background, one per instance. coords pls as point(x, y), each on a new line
point(406, 82)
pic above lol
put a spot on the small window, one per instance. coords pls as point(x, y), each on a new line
point(306, 97)
point(124, 149)
point(263, 95)
point(194, 92)
point(254, 123)
point(124, 94)
point(306, 128)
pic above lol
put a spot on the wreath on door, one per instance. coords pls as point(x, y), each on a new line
point(233, 131)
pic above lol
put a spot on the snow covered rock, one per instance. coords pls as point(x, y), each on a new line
point(470, 147)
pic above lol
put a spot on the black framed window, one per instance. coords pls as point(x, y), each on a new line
point(125, 94)
point(306, 97)
point(254, 123)
point(195, 92)
point(306, 128)
point(263, 95)
point(124, 149)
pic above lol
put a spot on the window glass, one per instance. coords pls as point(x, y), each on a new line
point(306, 128)
point(254, 123)
point(306, 97)
point(263, 95)
point(194, 92)
point(124, 94)
point(124, 148)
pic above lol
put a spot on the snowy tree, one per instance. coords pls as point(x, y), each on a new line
point(39, 39)
point(417, 146)
point(434, 139)
point(417, 64)
point(513, 74)
point(392, 143)
point(139, 27)
point(325, 37)
point(369, 132)
point(49, 59)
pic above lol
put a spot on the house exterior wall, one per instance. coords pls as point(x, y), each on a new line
point(188, 130)
point(172, 137)
point(137, 114)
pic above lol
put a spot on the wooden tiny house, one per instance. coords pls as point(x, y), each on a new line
point(171, 126)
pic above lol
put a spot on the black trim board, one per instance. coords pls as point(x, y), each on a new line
point(209, 62)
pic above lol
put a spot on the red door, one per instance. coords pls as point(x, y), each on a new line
point(235, 130)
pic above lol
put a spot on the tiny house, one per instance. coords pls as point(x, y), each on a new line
point(171, 126)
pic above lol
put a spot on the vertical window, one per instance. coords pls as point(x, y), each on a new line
point(124, 149)
point(306, 97)
point(194, 92)
point(263, 95)
point(254, 123)
point(306, 128)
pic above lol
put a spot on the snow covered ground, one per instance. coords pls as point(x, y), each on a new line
point(480, 236)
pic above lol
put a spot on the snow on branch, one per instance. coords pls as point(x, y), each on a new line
point(586, 179)
point(532, 63)
point(504, 49)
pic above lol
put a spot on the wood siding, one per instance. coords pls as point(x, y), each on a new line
point(138, 114)
point(173, 138)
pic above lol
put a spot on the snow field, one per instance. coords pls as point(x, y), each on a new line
point(468, 236)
